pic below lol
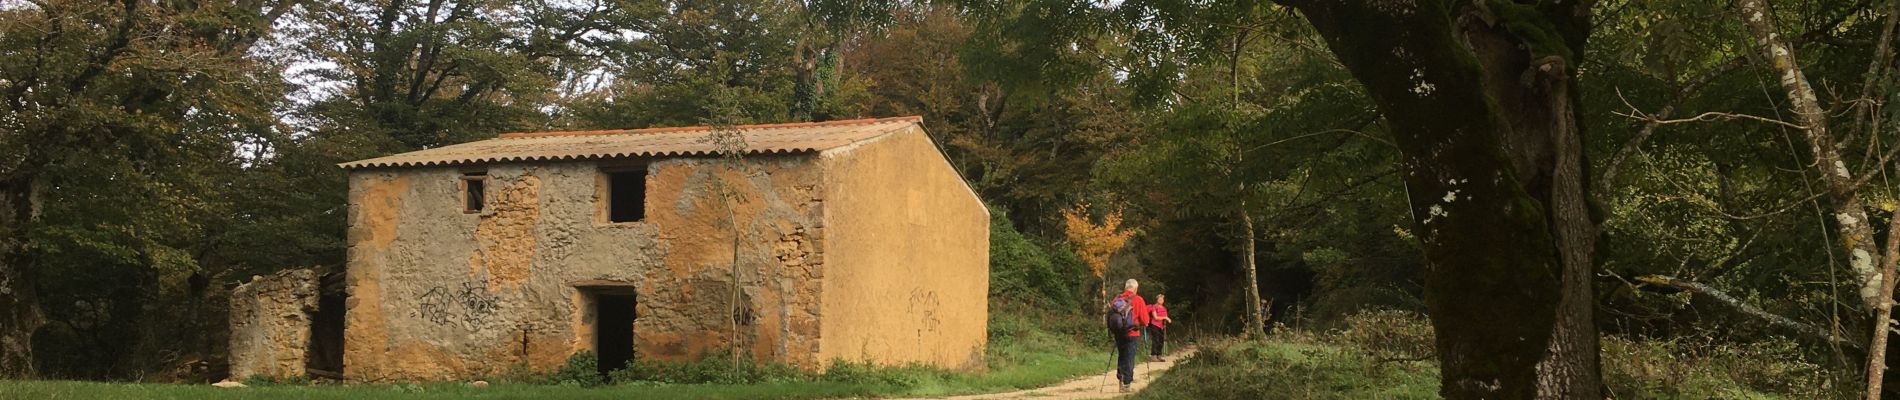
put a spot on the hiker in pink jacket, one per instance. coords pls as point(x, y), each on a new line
point(1158, 327)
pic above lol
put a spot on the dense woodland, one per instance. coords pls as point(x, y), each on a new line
point(1533, 175)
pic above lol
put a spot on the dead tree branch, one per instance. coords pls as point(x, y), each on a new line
point(1723, 297)
point(1707, 116)
point(1883, 311)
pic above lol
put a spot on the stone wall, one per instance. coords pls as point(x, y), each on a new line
point(436, 293)
point(270, 324)
point(908, 280)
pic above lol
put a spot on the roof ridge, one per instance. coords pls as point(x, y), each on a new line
point(782, 125)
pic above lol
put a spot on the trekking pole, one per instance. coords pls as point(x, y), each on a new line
point(1139, 349)
point(1111, 368)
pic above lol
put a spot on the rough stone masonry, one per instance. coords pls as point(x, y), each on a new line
point(270, 323)
point(855, 240)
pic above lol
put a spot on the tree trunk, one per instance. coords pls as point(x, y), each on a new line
point(1255, 321)
point(19, 303)
point(1572, 370)
point(1855, 231)
point(1483, 106)
point(1883, 312)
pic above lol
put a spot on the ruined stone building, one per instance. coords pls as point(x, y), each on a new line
point(853, 240)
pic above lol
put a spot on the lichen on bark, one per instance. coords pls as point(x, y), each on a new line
point(1514, 251)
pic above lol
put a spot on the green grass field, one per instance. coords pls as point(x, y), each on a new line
point(52, 390)
point(1026, 368)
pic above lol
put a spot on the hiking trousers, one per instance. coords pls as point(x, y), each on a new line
point(1125, 357)
point(1159, 337)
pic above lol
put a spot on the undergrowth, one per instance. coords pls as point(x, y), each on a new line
point(1386, 355)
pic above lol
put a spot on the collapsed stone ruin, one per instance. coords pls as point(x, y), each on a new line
point(270, 324)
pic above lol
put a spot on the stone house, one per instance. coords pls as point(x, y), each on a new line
point(844, 240)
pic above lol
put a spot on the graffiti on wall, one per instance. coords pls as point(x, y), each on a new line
point(469, 304)
point(923, 304)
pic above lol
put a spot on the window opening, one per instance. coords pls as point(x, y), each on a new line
point(626, 195)
point(474, 191)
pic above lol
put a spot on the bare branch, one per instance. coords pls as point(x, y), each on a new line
point(1707, 116)
point(1883, 311)
point(1355, 132)
point(1722, 297)
point(1777, 210)
point(1631, 146)
point(1649, 126)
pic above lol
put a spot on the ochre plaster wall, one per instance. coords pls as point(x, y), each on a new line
point(436, 293)
point(907, 250)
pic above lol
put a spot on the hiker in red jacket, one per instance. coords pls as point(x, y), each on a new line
point(1127, 341)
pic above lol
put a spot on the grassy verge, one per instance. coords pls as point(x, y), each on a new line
point(1365, 360)
point(61, 390)
point(1231, 369)
point(1028, 347)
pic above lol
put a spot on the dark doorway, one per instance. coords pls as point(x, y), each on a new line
point(613, 330)
point(324, 358)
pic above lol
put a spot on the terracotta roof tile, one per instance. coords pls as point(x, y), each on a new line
point(799, 137)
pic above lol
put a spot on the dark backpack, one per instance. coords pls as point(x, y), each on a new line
point(1120, 315)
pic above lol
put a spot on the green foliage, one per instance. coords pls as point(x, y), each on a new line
point(174, 149)
point(1697, 369)
point(1034, 47)
point(1389, 335)
point(1275, 131)
point(714, 366)
point(420, 76)
point(849, 372)
point(691, 52)
point(1023, 270)
point(118, 125)
point(265, 380)
point(1291, 368)
point(1367, 359)
point(581, 369)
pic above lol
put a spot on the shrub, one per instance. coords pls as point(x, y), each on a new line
point(1021, 269)
point(260, 380)
point(715, 366)
point(582, 369)
point(263, 380)
point(1692, 369)
point(1389, 334)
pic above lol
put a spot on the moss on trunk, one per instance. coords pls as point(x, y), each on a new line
point(1479, 95)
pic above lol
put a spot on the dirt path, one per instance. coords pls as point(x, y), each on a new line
point(1098, 386)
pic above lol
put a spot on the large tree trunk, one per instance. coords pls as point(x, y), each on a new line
point(1483, 106)
point(1855, 231)
point(19, 306)
point(1572, 370)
